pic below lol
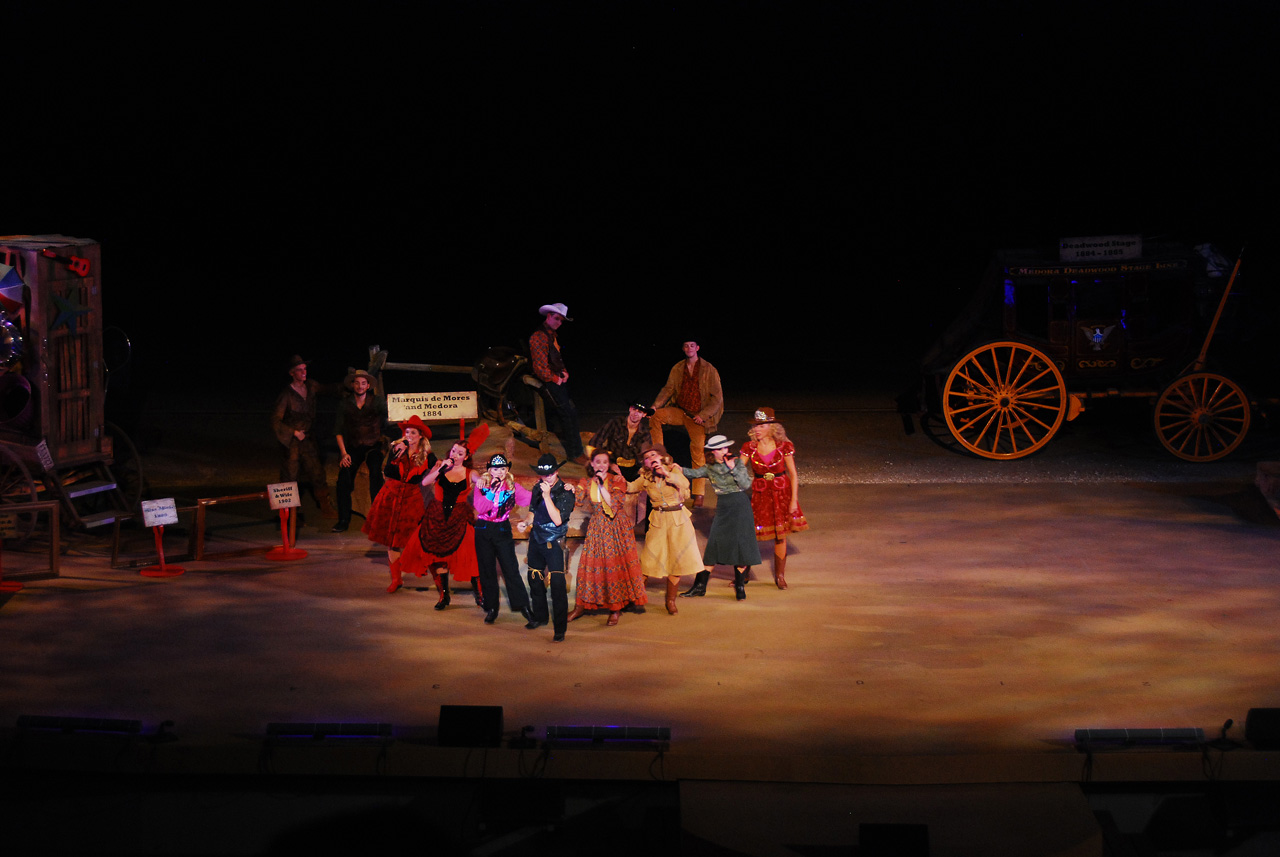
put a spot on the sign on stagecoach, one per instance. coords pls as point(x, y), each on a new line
point(432, 406)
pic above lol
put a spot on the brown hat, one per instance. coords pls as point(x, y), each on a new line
point(353, 374)
point(762, 416)
point(295, 361)
point(646, 448)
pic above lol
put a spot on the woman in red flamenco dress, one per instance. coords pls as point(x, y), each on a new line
point(443, 543)
point(395, 513)
point(775, 490)
point(609, 575)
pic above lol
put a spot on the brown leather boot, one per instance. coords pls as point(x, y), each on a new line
point(780, 570)
point(325, 504)
point(673, 589)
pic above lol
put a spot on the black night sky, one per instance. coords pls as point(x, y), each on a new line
point(782, 181)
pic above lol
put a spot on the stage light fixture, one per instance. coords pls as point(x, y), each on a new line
point(80, 724)
point(600, 734)
point(1145, 737)
point(328, 730)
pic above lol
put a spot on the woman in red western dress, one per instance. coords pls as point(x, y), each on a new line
point(775, 491)
point(396, 512)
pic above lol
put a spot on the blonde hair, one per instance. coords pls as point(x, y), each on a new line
point(775, 431)
point(424, 448)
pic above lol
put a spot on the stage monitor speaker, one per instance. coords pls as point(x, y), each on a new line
point(470, 726)
point(893, 840)
point(1262, 728)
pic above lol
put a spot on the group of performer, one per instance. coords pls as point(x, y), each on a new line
point(443, 518)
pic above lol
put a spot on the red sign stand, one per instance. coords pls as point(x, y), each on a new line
point(7, 585)
point(161, 570)
point(285, 551)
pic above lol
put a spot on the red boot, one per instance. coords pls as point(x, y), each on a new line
point(442, 586)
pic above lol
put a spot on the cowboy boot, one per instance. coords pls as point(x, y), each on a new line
point(475, 590)
point(396, 580)
point(739, 583)
point(325, 504)
point(442, 584)
point(673, 588)
point(576, 613)
point(699, 587)
point(780, 570)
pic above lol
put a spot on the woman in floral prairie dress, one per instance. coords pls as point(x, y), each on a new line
point(775, 491)
point(609, 575)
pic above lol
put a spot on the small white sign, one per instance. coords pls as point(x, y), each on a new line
point(42, 453)
point(159, 513)
point(283, 495)
point(432, 406)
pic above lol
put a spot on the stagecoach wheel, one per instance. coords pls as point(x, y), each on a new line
point(126, 467)
point(16, 486)
point(1202, 417)
point(1004, 400)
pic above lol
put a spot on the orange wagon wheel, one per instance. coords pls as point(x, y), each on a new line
point(1004, 400)
point(1202, 416)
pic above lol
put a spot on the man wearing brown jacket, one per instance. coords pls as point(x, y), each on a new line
point(692, 398)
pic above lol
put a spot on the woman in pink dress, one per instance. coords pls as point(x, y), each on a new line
point(775, 491)
point(609, 576)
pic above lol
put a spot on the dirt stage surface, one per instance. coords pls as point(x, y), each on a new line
point(949, 620)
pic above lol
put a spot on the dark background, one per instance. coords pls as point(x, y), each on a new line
point(811, 190)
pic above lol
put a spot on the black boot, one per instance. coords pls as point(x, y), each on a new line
point(442, 584)
point(699, 587)
point(740, 584)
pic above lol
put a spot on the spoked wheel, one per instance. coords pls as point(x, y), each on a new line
point(1004, 400)
point(1202, 416)
point(16, 486)
point(126, 467)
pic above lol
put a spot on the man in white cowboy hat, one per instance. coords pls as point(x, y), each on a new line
point(549, 368)
point(361, 423)
point(292, 419)
point(691, 398)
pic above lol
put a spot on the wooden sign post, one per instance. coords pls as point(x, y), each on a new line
point(155, 514)
point(285, 497)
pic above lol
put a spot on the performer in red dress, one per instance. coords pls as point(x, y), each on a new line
point(444, 543)
point(396, 512)
point(775, 491)
point(609, 575)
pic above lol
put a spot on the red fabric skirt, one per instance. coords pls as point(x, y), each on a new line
point(394, 514)
point(771, 507)
point(443, 540)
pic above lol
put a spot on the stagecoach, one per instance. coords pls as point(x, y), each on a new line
point(55, 443)
point(1104, 317)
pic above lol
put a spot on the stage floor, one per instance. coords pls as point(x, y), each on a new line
point(955, 632)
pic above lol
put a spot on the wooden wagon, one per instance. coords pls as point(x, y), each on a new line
point(55, 443)
point(1095, 318)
